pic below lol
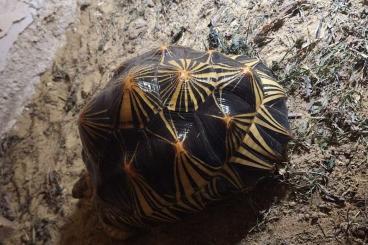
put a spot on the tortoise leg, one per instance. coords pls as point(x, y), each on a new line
point(82, 189)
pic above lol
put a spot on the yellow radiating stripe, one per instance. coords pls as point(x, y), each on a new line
point(165, 72)
point(269, 91)
point(267, 80)
point(229, 73)
point(136, 105)
point(273, 97)
point(251, 63)
point(209, 170)
point(214, 116)
point(266, 125)
point(205, 75)
point(197, 178)
point(199, 200)
point(232, 139)
point(261, 140)
point(209, 59)
point(146, 76)
point(147, 100)
point(234, 56)
point(166, 79)
point(244, 118)
point(252, 144)
point(215, 190)
point(168, 126)
point(270, 82)
point(175, 63)
point(249, 163)
point(266, 114)
point(216, 102)
point(234, 178)
point(144, 194)
point(242, 127)
point(225, 67)
point(193, 98)
point(95, 125)
point(169, 89)
point(230, 145)
point(158, 203)
point(249, 114)
point(257, 90)
point(269, 107)
point(224, 82)
point(167, 212)
point(242, 122)
point(126, 114)
point(141, 199)
point(183, 178)
point(200, 84)
point(183, 63)
point(251, 156)
point(193, 86)
point(186, 99)
point(175, 95)
point(160, 137)
point(89, 114)
point(198, 67)
point(162, 216)
point(92, 132)
point(181, 206)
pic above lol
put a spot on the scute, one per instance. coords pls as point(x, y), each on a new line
point(175, 129)
point(185, 80)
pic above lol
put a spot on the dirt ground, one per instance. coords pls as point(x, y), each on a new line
point(318, 50)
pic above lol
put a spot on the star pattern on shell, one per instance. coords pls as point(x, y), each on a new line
point(176, 129)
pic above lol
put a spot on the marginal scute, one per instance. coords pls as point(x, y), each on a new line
point(176, 129)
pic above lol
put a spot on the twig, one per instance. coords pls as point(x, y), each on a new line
point(295, 115)
point(320, 227)
point(360, 53)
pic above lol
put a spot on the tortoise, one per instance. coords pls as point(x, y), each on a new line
point(176, 129)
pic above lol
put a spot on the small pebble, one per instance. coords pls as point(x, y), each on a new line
point(292, 204)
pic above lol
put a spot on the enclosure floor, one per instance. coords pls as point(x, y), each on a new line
point(318, 51)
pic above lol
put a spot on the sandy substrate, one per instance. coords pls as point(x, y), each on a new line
point(320, 196)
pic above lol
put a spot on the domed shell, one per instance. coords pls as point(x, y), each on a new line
point(175, 129)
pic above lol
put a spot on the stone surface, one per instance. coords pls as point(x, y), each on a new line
point(30, 33)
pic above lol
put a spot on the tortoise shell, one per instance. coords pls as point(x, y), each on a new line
point(175, 129)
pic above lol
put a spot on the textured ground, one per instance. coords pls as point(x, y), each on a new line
point(318, 49)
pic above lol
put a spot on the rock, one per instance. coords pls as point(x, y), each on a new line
point(6, 228)
point(292, 204)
